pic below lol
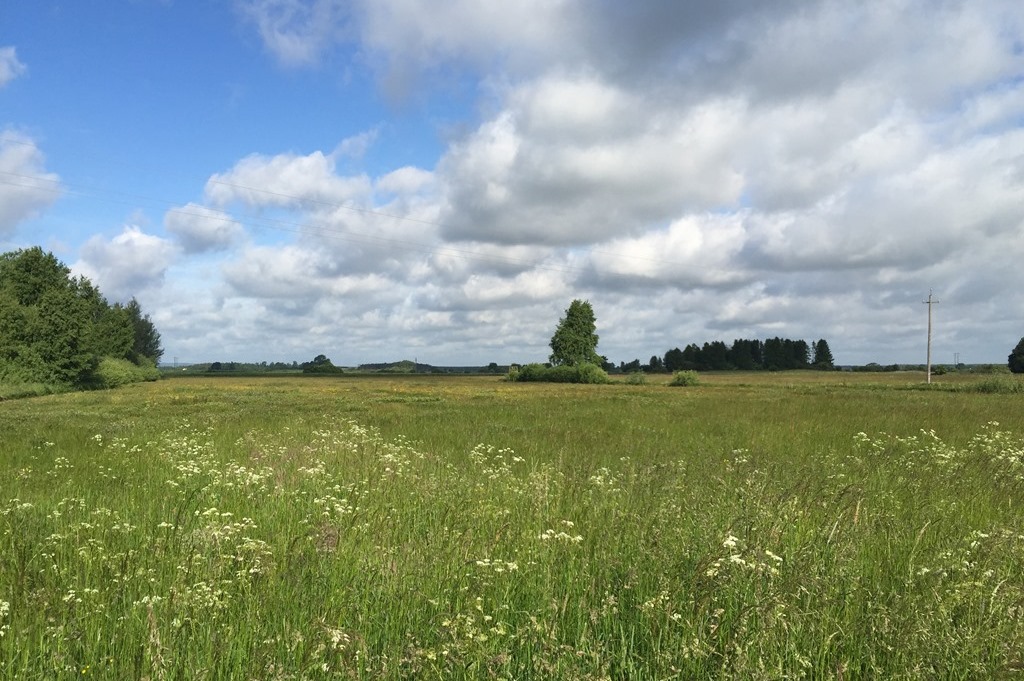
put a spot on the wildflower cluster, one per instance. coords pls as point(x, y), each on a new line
point(762, 562)
point(551, 535)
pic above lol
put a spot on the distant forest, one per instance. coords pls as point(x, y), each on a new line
point(774, 354)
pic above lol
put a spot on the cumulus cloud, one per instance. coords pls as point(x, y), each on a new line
point(127, 264)
point(199, 229)
point(695, 251)
point(549, 171)
point(26, 188)
point(285, 180)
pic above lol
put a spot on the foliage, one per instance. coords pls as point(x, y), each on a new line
point(685, 378)
point(630, 367)
point(321, 365)
point(989, 369)
point(575, 339)
point(996, 385)
point(146, 339)
point(636, 378)
point(55, 328)
point(113, 373)
point(405, 366)
point(1016, 359)
point(773, 354)
point(823, 355)
point(674, 360)
point(580, 373)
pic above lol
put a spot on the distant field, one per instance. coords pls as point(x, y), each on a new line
point(789, 525)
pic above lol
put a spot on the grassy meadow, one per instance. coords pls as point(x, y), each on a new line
point(760, 526)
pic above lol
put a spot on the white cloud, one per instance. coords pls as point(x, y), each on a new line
point(695, 251)
point(200, 229)
point(285, 180)
point(10, 67)
point(126, 265)
point(546, 171)
point(26, 188)
point(405, 180)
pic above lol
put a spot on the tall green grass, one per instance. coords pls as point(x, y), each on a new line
point(468, 528)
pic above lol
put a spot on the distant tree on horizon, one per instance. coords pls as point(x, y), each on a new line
point(823, 355)
point(321, 364)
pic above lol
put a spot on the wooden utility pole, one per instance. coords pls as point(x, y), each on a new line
point(929, 303)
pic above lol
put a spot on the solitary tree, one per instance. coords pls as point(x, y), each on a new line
point(1016, 358)
point(575, 340)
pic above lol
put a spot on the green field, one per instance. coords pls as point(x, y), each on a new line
point(790, 525)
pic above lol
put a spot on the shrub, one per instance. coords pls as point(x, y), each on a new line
point(26, 366)
point(581, 373)
point(684, 378)
point(990, 369)
point(590, 373)
point(529, 372)
point(325, 369)
point(112, 373)
point(1003, 385)
point(637, 378)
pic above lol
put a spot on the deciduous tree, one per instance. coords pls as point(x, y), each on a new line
point(55, 328)
point(575, 339)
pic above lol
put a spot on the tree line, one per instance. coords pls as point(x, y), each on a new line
point(773, 354)
point(59, 330)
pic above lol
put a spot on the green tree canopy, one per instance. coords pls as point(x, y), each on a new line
point(575, 340)
point(823, 355)
point(55, 328)
point(1016, 358)
point(146, 341)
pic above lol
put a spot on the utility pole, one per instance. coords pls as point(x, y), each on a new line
point(929, 303)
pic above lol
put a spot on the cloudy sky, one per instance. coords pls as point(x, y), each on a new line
point(385, 179)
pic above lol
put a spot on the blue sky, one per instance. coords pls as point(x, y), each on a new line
point(275, 179)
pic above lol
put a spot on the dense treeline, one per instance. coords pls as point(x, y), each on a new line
point(773, 354)
point(58, 330)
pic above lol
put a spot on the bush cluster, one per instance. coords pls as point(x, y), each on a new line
point(113, 373)
point(684, 378)
point(584, 372)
